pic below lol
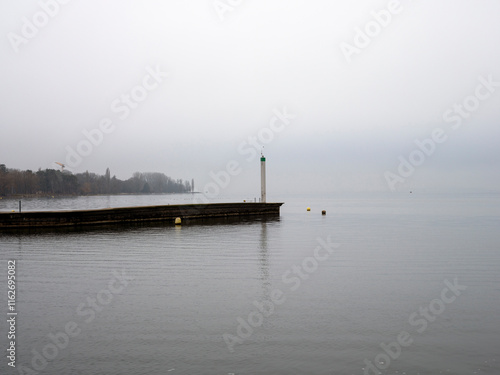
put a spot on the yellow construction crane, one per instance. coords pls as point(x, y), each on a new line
point(61, 164)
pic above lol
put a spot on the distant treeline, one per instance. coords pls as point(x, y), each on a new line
point(55, 182)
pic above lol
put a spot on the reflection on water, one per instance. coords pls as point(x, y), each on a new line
point(101, 201)
point(264, 263)
point(192, 282)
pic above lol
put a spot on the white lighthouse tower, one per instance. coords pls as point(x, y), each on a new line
point(262, 178)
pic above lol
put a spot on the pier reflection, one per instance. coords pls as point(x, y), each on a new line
point(124, 227)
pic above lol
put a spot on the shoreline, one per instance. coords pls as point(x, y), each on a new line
point(50, 196)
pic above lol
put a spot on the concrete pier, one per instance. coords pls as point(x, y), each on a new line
point(41, 219)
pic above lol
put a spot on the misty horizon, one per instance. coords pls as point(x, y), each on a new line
point(183, 89)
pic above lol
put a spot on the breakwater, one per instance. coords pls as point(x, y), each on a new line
point(168, 213)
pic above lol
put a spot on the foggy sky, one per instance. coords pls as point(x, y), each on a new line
point(228, 74)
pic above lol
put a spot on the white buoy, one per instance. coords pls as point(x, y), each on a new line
point(263, 179)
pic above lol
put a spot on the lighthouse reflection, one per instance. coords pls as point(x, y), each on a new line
point(264, 262)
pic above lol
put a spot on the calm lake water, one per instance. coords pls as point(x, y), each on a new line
point(416, 274)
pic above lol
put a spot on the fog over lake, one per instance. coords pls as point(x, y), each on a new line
point(377, 123)
point(183, 88)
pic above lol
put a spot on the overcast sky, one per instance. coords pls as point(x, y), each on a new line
point(179, 87)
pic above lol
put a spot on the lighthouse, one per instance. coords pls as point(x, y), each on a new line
point(262, 178)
